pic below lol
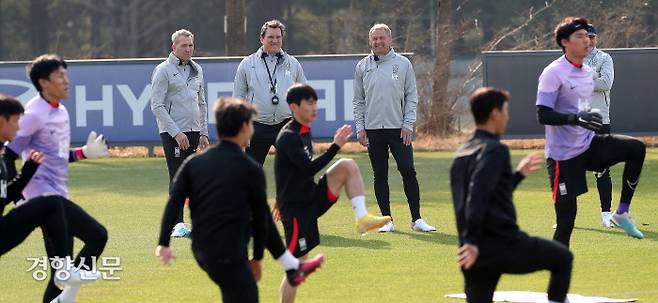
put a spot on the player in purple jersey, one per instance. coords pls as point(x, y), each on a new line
point(44, 127)
point(47, 212)
point(563, 105)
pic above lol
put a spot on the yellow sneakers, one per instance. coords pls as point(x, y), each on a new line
point(370, 222)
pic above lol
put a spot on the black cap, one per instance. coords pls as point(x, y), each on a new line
point(591, 31)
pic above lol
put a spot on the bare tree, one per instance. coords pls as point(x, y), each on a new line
point(443, 112)
point(438, 121)
point(235, 37)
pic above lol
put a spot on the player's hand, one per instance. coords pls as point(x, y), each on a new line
point(182, 141)
point(256, 268)
point(203, 142)
point(343, 135)
point(35, 157)
point(406, 134)
point(165, 254)
point(276, 214)
point(96, 147)
point(591, 120)
point(529, 164)
point(467, 254)
point(363, 137)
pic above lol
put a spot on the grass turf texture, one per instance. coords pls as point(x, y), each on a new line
point(128, 196)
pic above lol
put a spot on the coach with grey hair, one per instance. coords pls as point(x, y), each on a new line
point(385, 102)
point(179, 104)
point(263, 78)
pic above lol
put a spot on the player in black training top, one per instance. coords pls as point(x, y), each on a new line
point(482, 182)
point(228, 204)
point(301, 201)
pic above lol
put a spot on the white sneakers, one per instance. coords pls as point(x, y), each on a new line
point(606, 219)
point(74, 277)
point(418, 225)
point(421, 225)
point(387, 228)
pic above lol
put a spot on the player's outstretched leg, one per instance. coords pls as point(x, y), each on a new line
point(345, 172)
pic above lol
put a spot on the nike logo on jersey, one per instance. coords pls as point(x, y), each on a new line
point(175, 74)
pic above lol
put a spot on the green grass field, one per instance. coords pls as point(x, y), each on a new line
point(128, 196)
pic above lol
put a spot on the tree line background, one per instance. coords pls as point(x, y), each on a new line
point(446, 36)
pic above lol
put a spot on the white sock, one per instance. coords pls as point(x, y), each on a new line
point(68, 295)
point(359, 206)
point(288, 261)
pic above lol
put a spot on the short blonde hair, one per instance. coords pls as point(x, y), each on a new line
point(380, 26)
point(181, 32)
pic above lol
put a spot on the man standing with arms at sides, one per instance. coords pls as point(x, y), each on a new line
point(603, 72)
point(301, 201)
point(263, 78)
point(385, 101)
point(563, 104)
point(228, 205)
point(482, 184)
point(178, 101)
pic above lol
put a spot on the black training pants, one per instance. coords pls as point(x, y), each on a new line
point(82, 226)
point(379, 142)
point(264, 137)
point(175, 156)
point(526, 255)
point(234, 277)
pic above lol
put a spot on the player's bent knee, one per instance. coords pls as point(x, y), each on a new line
point(639, 148)
point(348, 164)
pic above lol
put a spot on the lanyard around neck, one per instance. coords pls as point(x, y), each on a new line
point(272, 82)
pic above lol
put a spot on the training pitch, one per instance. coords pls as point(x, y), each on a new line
point(128, 197)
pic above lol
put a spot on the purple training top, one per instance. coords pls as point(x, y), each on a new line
point(45, 129)
point(568, 90)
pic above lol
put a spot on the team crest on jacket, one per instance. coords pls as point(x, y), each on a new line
point(396, 68)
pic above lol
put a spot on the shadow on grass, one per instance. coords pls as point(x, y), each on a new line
point(432, 237)
point(618, 231)
point(357, 241)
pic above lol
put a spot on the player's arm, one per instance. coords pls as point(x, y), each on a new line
point(17, 183)
point(526, 166)
point(260, 212)
point(28, 124)
point(483, 182)
point(293, 147)
point(179, 191)
point(10, 162)
point(590, 120)
point(96, 147)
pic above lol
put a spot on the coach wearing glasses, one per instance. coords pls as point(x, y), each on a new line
point(263, 78)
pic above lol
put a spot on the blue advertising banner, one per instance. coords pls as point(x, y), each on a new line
point(113, 96)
